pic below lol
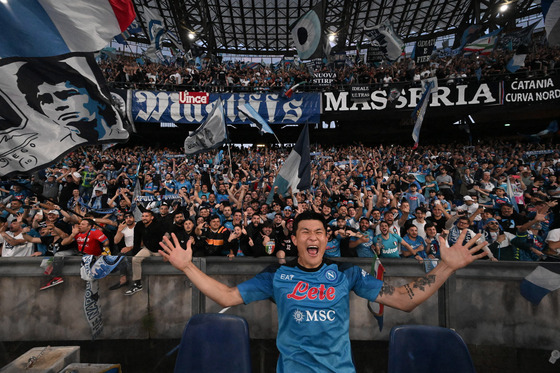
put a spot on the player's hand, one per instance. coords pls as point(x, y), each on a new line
point(174, 253)
point(458, 255)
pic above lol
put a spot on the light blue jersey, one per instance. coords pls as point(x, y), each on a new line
point(313, 312)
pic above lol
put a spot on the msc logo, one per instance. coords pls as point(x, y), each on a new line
point(330, 275)
point(314, 316)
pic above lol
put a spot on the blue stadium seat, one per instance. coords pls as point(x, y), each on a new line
point(427, 349)
point(214, 343)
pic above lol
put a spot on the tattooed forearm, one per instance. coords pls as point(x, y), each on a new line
point(409, 291)
point(387, 289)
point(422, 282)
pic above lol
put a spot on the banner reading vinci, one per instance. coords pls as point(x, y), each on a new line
point(51, 105)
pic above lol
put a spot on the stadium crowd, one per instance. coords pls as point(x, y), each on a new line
point(131, 72)
point(386, 201)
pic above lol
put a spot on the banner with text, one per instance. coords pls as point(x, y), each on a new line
point(510, 93)
point(156, 107)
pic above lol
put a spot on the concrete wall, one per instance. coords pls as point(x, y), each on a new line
point(482, 302)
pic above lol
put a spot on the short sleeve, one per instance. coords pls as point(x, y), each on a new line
point(363, 284)
point(259, 287)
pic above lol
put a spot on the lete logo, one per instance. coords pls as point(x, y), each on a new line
point(302, 290)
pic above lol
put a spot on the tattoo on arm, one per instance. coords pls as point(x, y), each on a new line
point(422, 282)
point(409, 291)
point(387, 289)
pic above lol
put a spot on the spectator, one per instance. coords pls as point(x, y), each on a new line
point(147, 236)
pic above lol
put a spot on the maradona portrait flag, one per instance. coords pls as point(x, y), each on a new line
point(51, 105)
point(45, 28)
point(296, 171)
point(211, 134)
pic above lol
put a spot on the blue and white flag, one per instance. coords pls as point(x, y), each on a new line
point(296, 170)
point(157, 33)
point(256, 120)
point(387, 39)
point(551, 14)
point(544, 279)
point(419, 112)
point(45, 28)
point(309, 36)
point(134, 28)
point(211, 134)
point(95, 269)
point(516, 62)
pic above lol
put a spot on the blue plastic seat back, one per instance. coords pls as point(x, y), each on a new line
point(427, 349)
point(213, 343)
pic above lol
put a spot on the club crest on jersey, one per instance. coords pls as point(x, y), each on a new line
point(331, 275)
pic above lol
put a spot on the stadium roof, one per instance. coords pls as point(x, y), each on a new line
point(261, 27)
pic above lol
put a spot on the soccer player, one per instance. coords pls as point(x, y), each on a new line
point(312, 294)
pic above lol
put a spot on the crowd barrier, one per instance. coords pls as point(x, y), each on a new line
point(482, 302)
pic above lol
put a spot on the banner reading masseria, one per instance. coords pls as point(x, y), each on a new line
point(154, 106)
point(395, 97)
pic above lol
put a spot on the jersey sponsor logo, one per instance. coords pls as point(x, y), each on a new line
point(303, 291)
point(314, 316)
point(364, 273)
point(331, 275)
point(286, 277)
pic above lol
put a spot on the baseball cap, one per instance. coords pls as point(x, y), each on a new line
point(56, 212)
point(77, 175)
point(467, 198)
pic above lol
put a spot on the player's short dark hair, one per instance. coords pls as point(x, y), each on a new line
point(309, 215)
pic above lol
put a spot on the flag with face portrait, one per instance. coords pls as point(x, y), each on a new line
point(51, 105)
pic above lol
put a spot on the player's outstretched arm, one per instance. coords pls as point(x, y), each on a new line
point(409, 296)
point(181, 259)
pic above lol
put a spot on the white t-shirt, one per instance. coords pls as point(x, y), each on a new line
point(128, 235)
point(8, 250)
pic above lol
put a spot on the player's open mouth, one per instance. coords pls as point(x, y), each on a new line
point(313, 250)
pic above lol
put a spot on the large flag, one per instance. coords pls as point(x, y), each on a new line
point(45, 28)
point(387, 39)
point(296, 171)
point(484, 45)
point(134, 28)
point(309, 35)
point(256, 119)
point(514, 40)
point(544, 279)
point(51, 105)
point(551, 14)
point(211, 134)
point(420, 111)
point(377, 309)
point(157, 33)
